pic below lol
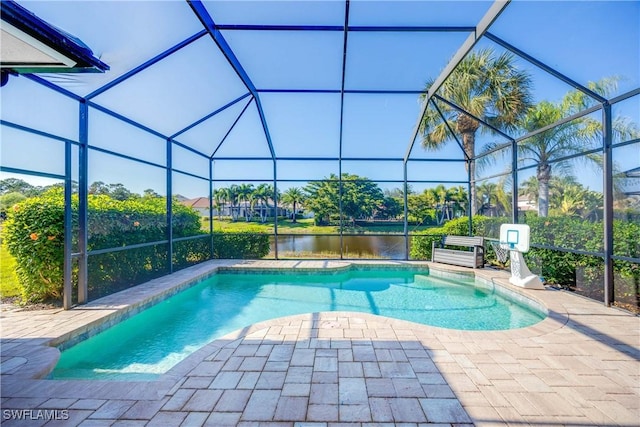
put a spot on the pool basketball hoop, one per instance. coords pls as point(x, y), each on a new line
point(515, 239)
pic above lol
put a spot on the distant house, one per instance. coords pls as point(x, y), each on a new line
point(524, 204)
point(200, 204)
point(630, 181)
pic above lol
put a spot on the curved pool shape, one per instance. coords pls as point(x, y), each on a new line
point(153, 341)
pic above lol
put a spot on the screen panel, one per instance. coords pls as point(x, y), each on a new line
point(31, 152)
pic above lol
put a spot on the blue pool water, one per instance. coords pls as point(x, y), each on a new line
point(151, 342)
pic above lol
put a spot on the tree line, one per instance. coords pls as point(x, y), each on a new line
point(362, 200)
point(15, 190)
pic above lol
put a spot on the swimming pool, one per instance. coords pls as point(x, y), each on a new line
point(153, 341)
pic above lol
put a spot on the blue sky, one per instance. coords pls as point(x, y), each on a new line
point(582, 39)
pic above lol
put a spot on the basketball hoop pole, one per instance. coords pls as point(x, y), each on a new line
point(520, 273)
point(515, 239)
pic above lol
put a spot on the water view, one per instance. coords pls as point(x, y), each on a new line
point(390, 247)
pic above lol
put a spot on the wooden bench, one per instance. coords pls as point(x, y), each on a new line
point(466, 258)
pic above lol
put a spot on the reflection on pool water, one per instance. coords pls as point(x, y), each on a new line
point(151, 342)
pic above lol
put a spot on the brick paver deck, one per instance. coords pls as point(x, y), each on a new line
point(577, 367)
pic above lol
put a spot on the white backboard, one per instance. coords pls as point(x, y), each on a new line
point(515, 237)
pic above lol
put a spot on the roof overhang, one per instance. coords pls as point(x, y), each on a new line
point(29, 44)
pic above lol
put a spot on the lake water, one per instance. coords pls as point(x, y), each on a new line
point(390, 247)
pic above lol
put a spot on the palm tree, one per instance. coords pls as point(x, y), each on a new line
point(487, 192)
point(441, 197)
point(233, 196)
point(529, 188)
point(220, 197)
point(244, 195)
point(293, 197)
point(261, 196)
point(546, 149)
point(503, 197)
point(570, 198)
point(572, 201)
point(487, 85)
point(496, 196)
point(460, 198)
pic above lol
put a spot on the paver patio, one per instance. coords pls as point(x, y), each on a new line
point(577, 367)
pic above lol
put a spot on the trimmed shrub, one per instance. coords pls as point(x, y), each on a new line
point(583, 272)
point(481, 226)
point(190, 252)
point(34, 235)
point(115, 271)
point(114, 223)
point(240, 245)
point(421, 243)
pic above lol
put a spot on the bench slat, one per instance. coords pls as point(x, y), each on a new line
point(467, 258)
point(459, 258)
point(463, 241)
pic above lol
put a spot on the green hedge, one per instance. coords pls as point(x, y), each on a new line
point(149, 262)
point(34, 235)
point(240, 245)
point(582, 273)
point(114, 223)
point(190, 252)
point(421, 242)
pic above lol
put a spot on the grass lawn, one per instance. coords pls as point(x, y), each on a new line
point(285, 226)
point(8, 280)
point(302, 226)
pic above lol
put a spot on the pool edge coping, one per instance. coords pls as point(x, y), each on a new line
point(48, 349)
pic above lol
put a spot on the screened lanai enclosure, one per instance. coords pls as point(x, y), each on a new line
point(322, 129)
